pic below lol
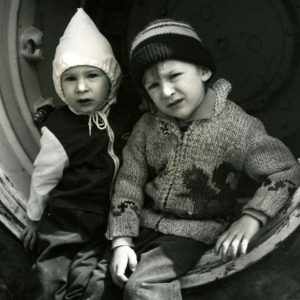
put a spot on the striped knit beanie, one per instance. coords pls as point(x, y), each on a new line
point(166, 39)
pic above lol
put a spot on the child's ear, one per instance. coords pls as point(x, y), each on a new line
point(205, 73)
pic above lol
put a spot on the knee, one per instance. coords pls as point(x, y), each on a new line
point(95, 287)
point(42, 282)
point(100, 287)
point(138, 288)
point(133, 287)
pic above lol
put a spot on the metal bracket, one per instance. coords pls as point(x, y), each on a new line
point(31, 44)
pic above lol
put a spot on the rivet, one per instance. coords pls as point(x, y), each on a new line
point(222, 43)
point(206, 13)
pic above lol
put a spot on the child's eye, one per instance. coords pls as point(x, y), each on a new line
point(69, 78)
point(174, 75)
point(93, 75)
point(152, 86)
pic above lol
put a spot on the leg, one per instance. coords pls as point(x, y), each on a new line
point(163, 259)
point(49, 273)
point(56, 247)
point(85, 261)
point(100, 285)
point(62, 236)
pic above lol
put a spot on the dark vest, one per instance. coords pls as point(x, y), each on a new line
point(85, 183)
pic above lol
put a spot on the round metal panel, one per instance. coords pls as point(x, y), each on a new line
point(252, 42)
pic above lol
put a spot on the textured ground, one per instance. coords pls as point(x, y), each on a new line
point(14, 267)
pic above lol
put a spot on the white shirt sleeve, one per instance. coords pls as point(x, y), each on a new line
point(48, 169)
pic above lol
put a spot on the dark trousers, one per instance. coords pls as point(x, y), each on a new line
point(70, 245)
point(162, 259)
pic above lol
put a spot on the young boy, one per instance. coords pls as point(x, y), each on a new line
point(175, 192)
point(74, 170)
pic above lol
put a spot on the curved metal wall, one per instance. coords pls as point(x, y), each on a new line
point(27, 47)
point(18, 134)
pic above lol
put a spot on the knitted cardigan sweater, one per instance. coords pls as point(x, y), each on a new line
point(183, 183)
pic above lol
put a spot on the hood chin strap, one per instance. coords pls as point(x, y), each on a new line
point(99, 119)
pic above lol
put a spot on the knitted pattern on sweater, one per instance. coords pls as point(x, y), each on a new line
point(184, 183)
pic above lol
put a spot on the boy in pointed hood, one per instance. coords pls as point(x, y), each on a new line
point(76, 166)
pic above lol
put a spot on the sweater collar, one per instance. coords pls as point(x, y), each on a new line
point(221, 89)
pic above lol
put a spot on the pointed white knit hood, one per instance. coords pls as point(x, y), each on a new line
point(83, 45)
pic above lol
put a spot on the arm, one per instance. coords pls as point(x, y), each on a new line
point(128, 197)
point(269, 161)
point(48, 169)
point(127, 202)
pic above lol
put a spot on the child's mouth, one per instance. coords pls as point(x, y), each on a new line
point(174, 103)
point(84, 101)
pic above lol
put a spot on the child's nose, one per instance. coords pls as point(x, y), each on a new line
point(81, 85)
point(167, 89)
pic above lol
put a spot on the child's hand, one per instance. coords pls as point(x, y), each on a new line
point(29, 235)
point(123, 256)
point(237, 237)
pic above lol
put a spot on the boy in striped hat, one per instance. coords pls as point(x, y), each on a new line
point(175, 192)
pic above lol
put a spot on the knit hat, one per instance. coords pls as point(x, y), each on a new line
point(83, 45)
point(166, 39)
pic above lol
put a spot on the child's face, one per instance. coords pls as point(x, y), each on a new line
point(85, 88)
point(177, 88)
